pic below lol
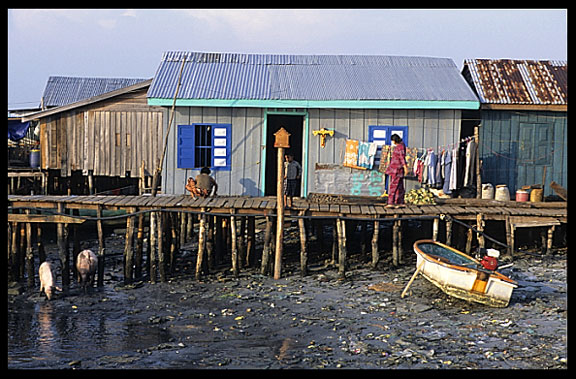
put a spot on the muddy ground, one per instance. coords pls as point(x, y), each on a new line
point(317, 321)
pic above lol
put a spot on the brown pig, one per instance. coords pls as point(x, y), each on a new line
point(47, 279)
point(86, 264)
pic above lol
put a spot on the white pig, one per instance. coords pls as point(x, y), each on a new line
point(86, 264)
point(47, 279)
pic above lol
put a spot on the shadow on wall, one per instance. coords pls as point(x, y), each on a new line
point(250, 188)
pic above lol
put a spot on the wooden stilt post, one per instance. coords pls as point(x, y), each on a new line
point(242, 261)
point(449, 231)
point(219, 242)
point(183, 219)
point(395, 237)
point(201, 243)
point(101, 247)
point(375, 253)
point(235, 262)
point(160, 220)
point(469, 236)
point(251, 241)
point(303, 247)
point(281, 142)
point(128, 251)
point(15, 252)
point(264, 268)
point(480, 227)
point(29, 254)
point(63, 251)
point(509, 238)
point(139, 247)
point(550, 238)
point(341, 229)
point(435, 227)
point(174, 240)
point(152, 251)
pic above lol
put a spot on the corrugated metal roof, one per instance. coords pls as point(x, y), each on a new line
point(309, 77)
point(507, 81)
point(64, 90)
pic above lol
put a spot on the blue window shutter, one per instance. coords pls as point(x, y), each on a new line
point(185, 146)
point(221, 146)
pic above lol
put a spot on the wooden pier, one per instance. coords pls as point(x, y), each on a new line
point(218, 217)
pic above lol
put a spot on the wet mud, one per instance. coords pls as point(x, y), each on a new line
point(318, 321)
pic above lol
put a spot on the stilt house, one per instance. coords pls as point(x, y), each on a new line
point(523, 117)
point(109, 140)
point(229, 106)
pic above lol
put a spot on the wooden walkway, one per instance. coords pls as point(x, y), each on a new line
point(23, 212)
point(341, 206)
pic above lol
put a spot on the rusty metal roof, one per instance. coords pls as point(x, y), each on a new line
point(508, 81)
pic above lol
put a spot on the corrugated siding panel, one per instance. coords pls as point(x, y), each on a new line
point(515, 148)
point(309, 77)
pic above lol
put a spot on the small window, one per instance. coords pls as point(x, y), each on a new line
point(204, 145)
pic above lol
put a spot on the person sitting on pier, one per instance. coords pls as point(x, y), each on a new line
point(203, 185)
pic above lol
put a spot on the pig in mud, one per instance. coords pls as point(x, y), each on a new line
point(47, 276)
point(86, 264)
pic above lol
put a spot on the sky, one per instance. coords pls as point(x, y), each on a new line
point(129, 43)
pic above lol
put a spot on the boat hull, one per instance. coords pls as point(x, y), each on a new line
point(457, 275)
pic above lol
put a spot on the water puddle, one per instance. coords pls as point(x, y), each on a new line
point(47, 331)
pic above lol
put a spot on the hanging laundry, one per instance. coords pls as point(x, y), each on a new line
point(432, 168)
point(469, 173)
point(454, 170)
point(411, 156)
point(351, 153)
point(385, 157)
point(438, 179)
point(447, 164)
point(366, 153)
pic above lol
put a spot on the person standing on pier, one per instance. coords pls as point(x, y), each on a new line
point(292, 175)
point(396, 171)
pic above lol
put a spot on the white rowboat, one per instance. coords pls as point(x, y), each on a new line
point(462, 276)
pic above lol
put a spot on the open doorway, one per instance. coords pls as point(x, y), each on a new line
point(294, 124)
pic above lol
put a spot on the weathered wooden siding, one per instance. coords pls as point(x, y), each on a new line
point(426, 128)
point(110, 138)
point(515, 146)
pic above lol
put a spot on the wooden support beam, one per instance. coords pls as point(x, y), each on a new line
point(61, 231)
point(160, 220)
point(235, 263)
point(480, 227)
point(449, 231)
point(35, 218)
point(435, 227)
point(128, 251)
point(152, 264)
point(342, 252)
point(251, 241)
point(396, 241)
point(303, 247)
point(267, 248)
point(29, 255)
point(101, 247)
point(139, 247)
point(201, 244)
point(375, 253)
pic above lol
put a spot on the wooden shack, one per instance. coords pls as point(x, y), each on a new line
point(523, 117)
point(108, 142)
point(230, 105)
